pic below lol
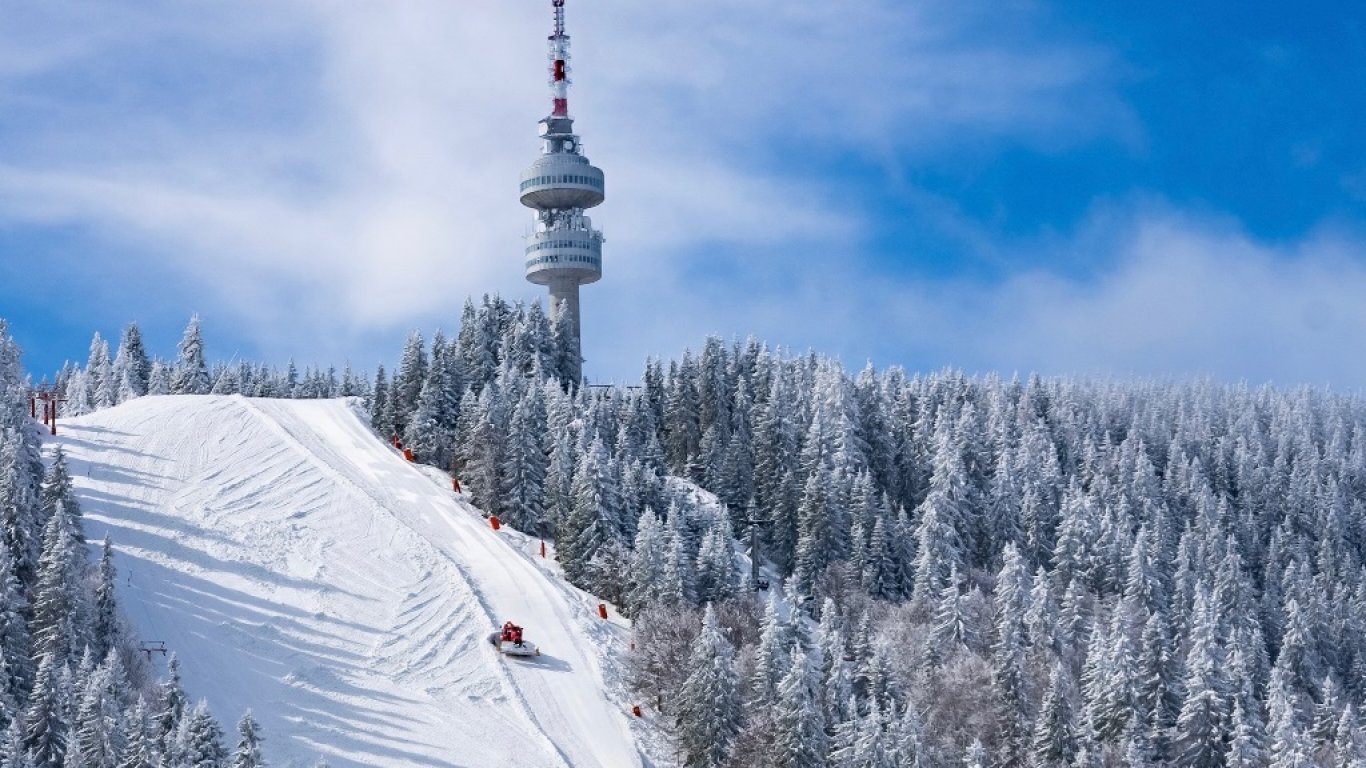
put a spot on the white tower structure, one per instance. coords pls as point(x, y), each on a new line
point(563, 250)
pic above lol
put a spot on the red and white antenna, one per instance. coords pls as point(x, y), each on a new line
point(559, 63)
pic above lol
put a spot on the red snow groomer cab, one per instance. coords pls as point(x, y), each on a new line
point(509, 642)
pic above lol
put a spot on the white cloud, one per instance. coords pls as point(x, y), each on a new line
point(326, 171)
point(1172, 295)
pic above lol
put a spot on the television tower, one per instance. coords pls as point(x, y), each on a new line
point(563, 251)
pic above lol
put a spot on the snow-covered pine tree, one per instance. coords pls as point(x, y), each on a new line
point(132, 367)
point(100, 370)
point(431, 427)
point(563, 332)
point(199, 740)
point(248, 751)
point(171, 709)
point(58, 595)
point(647, 563)
point(191, 375)
point(99, 730)
point(1009, 655)
point(709, 702)
point(716, 571)
point(139, 749)
point(678, 579)
point(801, 737)
point(379, 405)
point(159, 379)
point(939, 551)
point(46, 719)
point(1055, 735)
point(408, 379)
point(106, 632)
point(485, 448)
point(770, 657)
point(594, 520)
point(525, 464)
point(1202, 728)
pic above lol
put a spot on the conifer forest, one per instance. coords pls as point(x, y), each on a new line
point(954, 570)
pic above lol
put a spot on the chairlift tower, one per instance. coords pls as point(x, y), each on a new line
point(563, 251)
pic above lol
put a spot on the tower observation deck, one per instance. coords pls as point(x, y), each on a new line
point(563, 251)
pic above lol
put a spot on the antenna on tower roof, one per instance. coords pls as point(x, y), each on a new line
point(559, 63)
point(559, 17)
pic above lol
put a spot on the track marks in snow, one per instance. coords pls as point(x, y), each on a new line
point(300, 567)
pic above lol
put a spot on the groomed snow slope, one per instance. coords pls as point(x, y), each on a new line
point(298, 566)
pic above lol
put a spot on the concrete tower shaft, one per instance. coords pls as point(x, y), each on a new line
point(563, 250)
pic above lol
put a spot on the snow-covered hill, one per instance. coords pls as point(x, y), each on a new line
point(298, 566)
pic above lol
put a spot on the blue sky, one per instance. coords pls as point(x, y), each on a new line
point(1165, 189)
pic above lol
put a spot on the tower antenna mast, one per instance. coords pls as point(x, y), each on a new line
point(563, 250)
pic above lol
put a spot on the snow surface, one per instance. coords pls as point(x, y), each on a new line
point(298, 566)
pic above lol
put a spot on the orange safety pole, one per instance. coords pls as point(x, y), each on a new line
point(602, 610)
point(543, 550)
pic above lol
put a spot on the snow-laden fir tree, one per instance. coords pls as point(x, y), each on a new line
point(199, 740)
point(191, 376)
point(709, 703)
point(103, 391)
point(132, 367)
point(801, 737)
point(247, 754)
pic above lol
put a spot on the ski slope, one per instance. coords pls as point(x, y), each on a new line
point(297, 565)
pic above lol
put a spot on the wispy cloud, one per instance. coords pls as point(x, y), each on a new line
point(325, 171)
point(1175, 295)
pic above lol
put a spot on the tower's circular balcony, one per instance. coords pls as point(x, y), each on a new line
point(564, 253)
point(562, 180)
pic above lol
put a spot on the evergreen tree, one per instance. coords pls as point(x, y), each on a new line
point(15, 643)
point(770, 658)
point(593, 522)
point(105, 632)
point(199, 740)
point(99, 730)
point(139, 749)
point(379, 406)
point(248, 752)
point(57, 596)
point(1009, 655)
point(20, 507)
point(46, 719)
point(709, 703)
point(939, 553)
point(801, 738)
point(716, 571)
point(525, 465)
point(159, 380)
point(12, 751)
point(1203, 725)
point(407, 386)
point(647, 563)
point(567, 361)
point(171, 712)
point(191, 375)
point(485, 448)
point(1055, 739)
point(99, 369)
